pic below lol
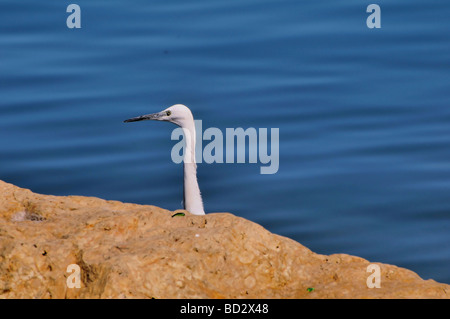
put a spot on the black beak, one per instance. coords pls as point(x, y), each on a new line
point(154, 116)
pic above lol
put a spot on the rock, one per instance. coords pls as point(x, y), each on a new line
point(133, 251)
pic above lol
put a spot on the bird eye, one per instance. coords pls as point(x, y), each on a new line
point(168, 113)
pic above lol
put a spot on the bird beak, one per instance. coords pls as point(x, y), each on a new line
point(154, 116)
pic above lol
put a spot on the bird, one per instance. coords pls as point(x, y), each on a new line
point(181, 115)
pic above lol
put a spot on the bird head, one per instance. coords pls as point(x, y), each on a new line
point(178, 114)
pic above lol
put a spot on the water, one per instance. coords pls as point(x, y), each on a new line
point(364, 115)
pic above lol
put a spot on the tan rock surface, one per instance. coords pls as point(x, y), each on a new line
point(134, 251)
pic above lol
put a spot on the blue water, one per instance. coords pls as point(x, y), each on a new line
point(363, 114)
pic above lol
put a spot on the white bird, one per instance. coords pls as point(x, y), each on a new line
point(181, 115)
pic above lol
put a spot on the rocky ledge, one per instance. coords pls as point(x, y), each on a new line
point(51, 244)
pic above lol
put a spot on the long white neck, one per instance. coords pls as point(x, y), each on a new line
point(192, 198)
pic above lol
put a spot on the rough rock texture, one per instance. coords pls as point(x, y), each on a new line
point(134, 251)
